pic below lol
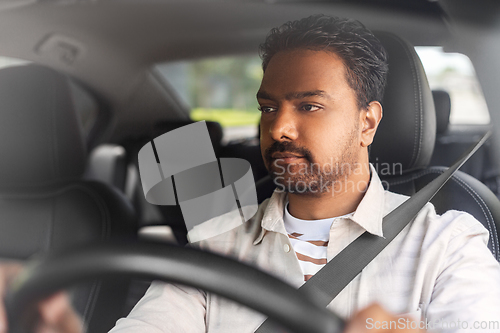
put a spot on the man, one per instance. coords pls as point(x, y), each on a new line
point(320, 100)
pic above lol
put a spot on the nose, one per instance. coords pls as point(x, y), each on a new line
point(284, 125)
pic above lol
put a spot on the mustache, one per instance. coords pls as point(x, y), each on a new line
point(286, 147)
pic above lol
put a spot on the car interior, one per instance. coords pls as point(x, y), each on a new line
point(87, 96)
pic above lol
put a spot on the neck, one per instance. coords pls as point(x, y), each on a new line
point(343, 198)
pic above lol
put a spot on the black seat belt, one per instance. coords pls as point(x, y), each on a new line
point(329, 281)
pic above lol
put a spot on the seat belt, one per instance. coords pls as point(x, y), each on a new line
point(330, 280)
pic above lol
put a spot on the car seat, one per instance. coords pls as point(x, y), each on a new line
point(45, 204)
point(453, 140)
point(404, 143)
point(157, 215)
point(107, 163)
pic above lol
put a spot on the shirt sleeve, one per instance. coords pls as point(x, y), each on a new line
point(466, 296)
point(166, 308)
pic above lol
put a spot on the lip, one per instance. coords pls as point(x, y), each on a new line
point(286, 157)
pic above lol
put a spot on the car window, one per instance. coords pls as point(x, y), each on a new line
point(223, 89)
point(454, 73)
point(219, 89)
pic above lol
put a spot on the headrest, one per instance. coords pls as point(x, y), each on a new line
point(41, 140)
point(107, 163)
point(442, 103)
point(216, 133)
point(405, 138)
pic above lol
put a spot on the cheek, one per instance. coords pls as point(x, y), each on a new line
point(265, 142)
point(329, 142)
point(321, 144)
point(264, 126)
point(263, 132)
point(325, 152)
point(323, 133)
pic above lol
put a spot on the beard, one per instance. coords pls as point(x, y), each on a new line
point(310, 177)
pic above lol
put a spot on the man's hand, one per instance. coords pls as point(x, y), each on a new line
point(55, 314)
point(8, 271)
point(363, 322)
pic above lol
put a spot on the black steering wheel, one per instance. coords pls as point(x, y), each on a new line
point(286, 305)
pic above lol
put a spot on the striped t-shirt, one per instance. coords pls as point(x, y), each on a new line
point(309, 239)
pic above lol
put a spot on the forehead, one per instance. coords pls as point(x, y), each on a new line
point(304, 70)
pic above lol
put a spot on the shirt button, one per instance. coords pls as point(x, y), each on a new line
point(286, 248)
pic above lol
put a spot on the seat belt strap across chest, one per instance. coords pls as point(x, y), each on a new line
point(329, 281)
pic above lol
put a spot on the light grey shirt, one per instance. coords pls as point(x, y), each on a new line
point(438, 270)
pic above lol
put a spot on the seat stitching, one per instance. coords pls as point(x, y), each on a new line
point(54, 160)
point(105, 231)
point(51, 225)
point(489, 218)
point(420, 110)
point(105, 226)
point(51, 182)
point(412, 177)
point(417, 105)
point(482, 205)
point(44, 194)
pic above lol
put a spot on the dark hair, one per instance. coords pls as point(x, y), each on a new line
point(364, 57)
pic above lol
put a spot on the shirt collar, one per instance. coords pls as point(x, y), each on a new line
point(272, 220)
point(368, 214)
point(370, 211)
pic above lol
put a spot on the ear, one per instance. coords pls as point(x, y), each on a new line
point(370, 118)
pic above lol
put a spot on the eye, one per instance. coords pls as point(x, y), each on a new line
point(309, 108)
point(266, 109)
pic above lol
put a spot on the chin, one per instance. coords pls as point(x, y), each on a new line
point(304, 185)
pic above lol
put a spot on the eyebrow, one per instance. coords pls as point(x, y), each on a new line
point(295, 95)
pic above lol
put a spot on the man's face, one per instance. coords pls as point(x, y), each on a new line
point(310, 123)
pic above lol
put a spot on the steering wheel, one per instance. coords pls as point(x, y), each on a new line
point(293, 309)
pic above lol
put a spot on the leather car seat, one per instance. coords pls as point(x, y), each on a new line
point(45, 204)
point(404, 144)
point(157, 215)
